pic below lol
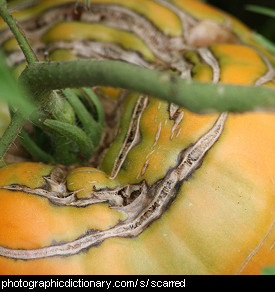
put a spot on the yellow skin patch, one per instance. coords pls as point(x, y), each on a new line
point(62, 55)
point(29, 174)
point(222, 219)
point(75, 31)
point(84, 180)
point(10, 45)
point(156, 118)
point(162, 17)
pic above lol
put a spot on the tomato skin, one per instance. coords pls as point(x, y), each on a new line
point(220, 222)
point(222, 218)
point(188, 239)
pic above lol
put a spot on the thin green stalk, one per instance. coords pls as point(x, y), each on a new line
point(74, 133)
point(15, 126)
point(90, 125)
point(34, 149)
point(261, 10)
point(195, 96)
point(97, 104)
point(18, 33)
point(20, 116)
point(264, 41)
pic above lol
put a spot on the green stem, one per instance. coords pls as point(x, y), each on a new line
point(17, 122)
point(264, 41)
point(97, 104)
point(261, 10)
point(18, 33)
point(86, 146)
point(195, 96)
point(19, 117)
point(90, 125)
point(34, 149)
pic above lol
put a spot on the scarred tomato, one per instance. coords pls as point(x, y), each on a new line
point(176, 192)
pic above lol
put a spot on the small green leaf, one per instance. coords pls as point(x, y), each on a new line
point(264, 41)
point(11, 92)
point(36, 152)
point(73, 133)
point(261, 10)
point(93, 123)
point(87, 121)
point(269, 270)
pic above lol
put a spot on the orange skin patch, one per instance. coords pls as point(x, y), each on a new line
point(239, 64)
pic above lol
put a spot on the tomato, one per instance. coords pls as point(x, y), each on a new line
point(176, 192)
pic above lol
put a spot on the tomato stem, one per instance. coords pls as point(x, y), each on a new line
point(36, 151)
point(91, 126)
point(193, 95)
point(18, 33)
point(12, 131)
point(74, 133)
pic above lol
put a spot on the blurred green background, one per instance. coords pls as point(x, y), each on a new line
point(262, 24)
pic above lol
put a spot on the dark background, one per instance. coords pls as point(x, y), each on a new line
point(264, 25)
